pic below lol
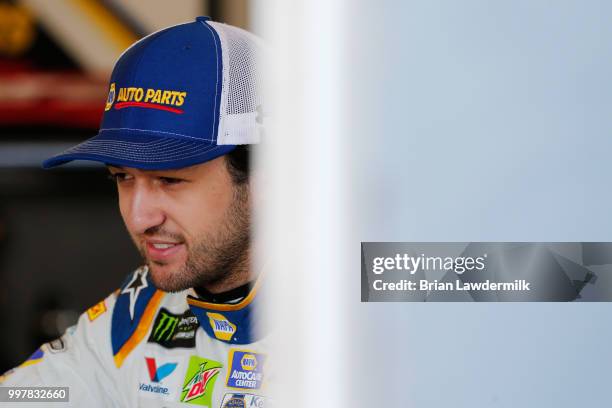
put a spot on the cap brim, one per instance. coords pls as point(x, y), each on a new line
point(146, 151)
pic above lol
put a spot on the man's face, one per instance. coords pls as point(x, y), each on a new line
point(191, 225)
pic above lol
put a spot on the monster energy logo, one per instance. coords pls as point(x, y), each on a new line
point(165, 327)
point(171, 330)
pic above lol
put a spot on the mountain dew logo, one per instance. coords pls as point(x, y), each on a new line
point(200, 381)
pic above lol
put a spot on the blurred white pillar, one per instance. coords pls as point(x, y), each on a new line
point(304, 195)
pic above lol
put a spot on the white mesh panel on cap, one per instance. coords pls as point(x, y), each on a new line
point(241, 111)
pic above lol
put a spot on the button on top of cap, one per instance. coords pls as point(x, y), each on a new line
point(202, 18)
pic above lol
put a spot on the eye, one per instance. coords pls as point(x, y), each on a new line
point(119, 177)
point(170, 180)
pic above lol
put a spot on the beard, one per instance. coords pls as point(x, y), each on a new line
point(213, 258)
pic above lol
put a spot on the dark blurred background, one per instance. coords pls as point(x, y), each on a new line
point(63, 246)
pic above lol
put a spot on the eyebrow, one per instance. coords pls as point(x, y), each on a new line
point(153, 172)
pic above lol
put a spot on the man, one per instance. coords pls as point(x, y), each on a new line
point(183, 105)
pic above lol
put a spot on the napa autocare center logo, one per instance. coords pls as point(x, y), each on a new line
point(246, 370)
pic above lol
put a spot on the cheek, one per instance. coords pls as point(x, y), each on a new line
point(124, 210)
point(205, 212)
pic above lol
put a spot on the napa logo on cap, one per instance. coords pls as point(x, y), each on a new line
point(111, 97)
point(245, 370)
point(223, 328)
point(169, 100)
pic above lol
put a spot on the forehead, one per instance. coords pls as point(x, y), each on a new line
point(195, 170)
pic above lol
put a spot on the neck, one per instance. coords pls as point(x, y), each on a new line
point(232, 296)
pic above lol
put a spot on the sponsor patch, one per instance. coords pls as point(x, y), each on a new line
point(96, 311)
point(223, 328)
point(245, 370)
point(200, 381)
point(159, 379)
point(243, 401)
point(172, 330)
point(169, 100)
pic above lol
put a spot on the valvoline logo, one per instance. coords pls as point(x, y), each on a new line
point(223, 328)
point(159, 373)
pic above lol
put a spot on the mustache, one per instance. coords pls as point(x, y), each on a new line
point(160, 233)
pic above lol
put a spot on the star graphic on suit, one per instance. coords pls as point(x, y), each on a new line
point(138, 283)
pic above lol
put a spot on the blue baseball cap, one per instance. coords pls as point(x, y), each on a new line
point(178, 97)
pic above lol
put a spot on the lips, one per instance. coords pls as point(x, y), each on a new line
point(163, 251)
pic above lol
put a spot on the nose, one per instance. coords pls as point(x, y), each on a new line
point(141, 208)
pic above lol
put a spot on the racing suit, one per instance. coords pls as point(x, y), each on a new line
point(144, 347)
